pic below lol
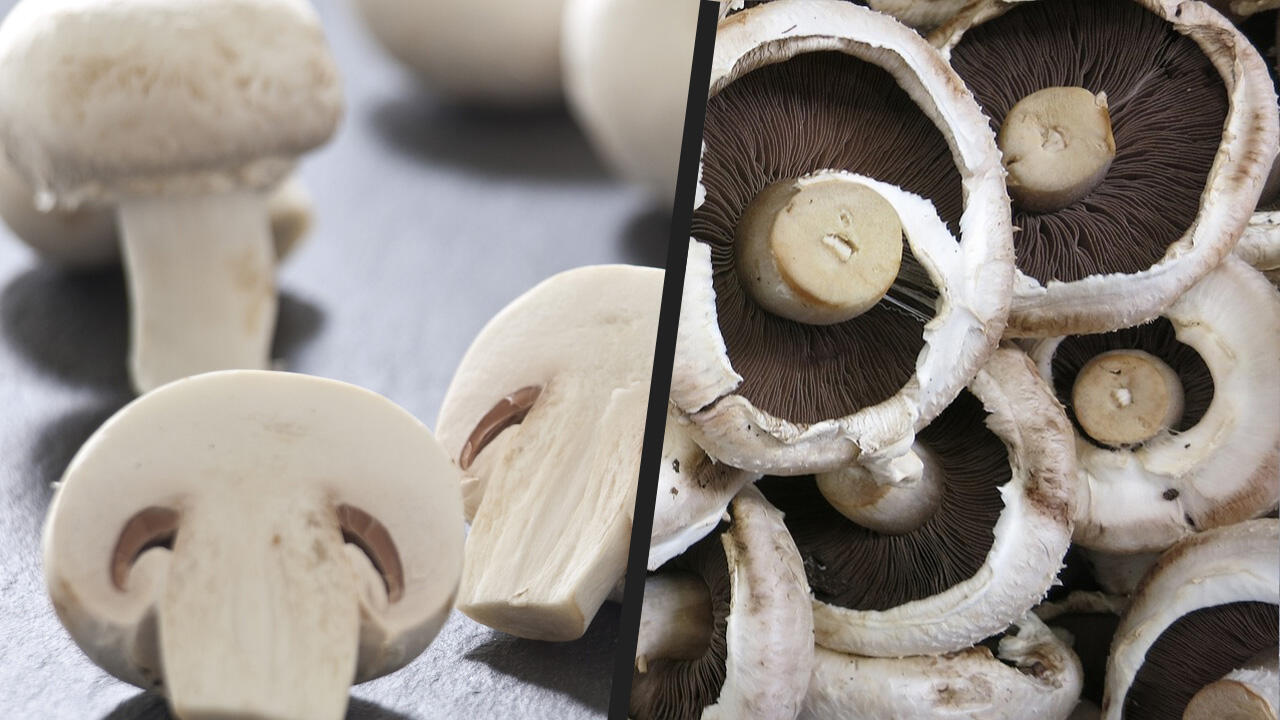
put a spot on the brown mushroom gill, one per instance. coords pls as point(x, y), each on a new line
point(1091, 635)
point(819, 111)
point(1157, 338)
point(1197, 649)
point(364, 531)
point(853, 567)
point(680, 689)
point(152, 527)
point(1167, 106)
point(510, 410)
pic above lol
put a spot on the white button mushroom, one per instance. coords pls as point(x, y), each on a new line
point(546, 415)
point(181, 115)
point(251, 542)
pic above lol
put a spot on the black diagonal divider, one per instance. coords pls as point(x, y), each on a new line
point(663, 356)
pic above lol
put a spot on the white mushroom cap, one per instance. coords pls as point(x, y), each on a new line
point(197, 543)
point(1221, 470)
point(1099, 303)
point(1239, 563)
point(920, 14)
point(768, 632)
point(545, 416)
point(626, 77)
point(693, 492)
point(1030, 537)
point(970, 275)
point(1043, 682)
point(505, 53)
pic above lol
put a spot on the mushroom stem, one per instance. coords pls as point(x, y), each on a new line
point(886, 508)
point(819, 250)
point(201, 284)
point(1249, 693)
point(1126, 397)
point(676, 620)
point(1057, 146)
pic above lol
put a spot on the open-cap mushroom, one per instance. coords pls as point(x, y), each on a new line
point(1086, 622)
point(87, 238)
point(626, 77)
point(849, 266)
point(1149, 478)
point(1025, 672)
point(986, 556)
point(485, 51)
point(545, 416)
point(726, 631)
point(181, 115)
point(1208, 608)
point(693, 492)
point(251, 542)
point(1137, 136)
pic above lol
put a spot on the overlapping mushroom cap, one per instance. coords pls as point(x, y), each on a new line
point(1190, 113)
point(987, 554)
point(1213, 357)
point(841, 157)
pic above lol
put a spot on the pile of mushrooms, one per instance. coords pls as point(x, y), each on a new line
point(964, 309)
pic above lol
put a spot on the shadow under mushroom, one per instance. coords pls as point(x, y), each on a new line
point(149, 706)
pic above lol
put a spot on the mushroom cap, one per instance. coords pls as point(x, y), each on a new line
point(923, 15)
point(1033, 674)
point(145, 97)
point(626, 78)
point(768, 630)
point(1209, 571)
point(1220, 470)
point(545, 415)
point(1028, 541)
point(1102, 302)
point(693, 492)
point(239, 439)
point(971, 276)
point(486, 51)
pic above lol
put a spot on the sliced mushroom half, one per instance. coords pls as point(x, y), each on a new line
point(726, 631)
point(849, 266)
point(545, 416)
point(986, 556)
point(1208, 608)
point(1124, 195)
point(1175, 420)
point(1025, 672)
point(250, 542)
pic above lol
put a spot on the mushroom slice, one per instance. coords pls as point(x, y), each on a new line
point(1208, 607)
point(181, 116)
point(1030, 674)
point(829, 310)
point(249, 542)
point(1108, 242)
point(693, 492)
point(1086, 622)
point(545, 415)
point(726, 628)
point(1212, 464)
point(986, 556)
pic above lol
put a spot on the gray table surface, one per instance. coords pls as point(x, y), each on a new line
point(430, 218)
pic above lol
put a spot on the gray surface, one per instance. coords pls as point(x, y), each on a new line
point(430, 219)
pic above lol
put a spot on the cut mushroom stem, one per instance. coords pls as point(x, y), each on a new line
point(201, 279)
point(1126, 397)
point(1057, 146)
point(676, 622)
point(819, 250)
point(886, 508)
point(1249, 693)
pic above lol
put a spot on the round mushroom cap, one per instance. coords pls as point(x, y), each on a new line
point(1210, 605)
point(486, 51)
point(760, 655)
point(1182, 184)
point(819, 88)
point(986, 557)
point(1218, 463)
point(146, 97)
point(1026, 672)
point(353, 504)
